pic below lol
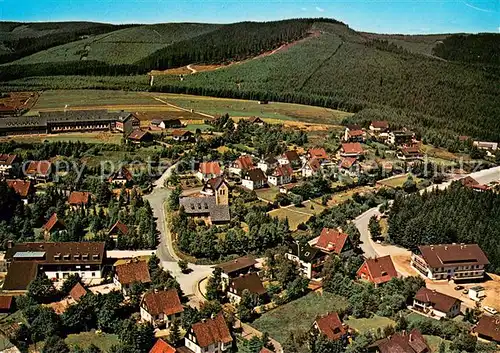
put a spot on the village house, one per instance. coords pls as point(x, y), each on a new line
point(57, 260)
point(282, 174)
point(242, 164)
point(256, 121)
point(377, 270)
point(379, 127)
point(79, 199)
point(484, 145)
point(351, 149)
point(319, 154)
point(118, 229)
point(292, 158)
point(122, 176)
point(330, 326)
point(161, 307)
point(349, 166)
point(38, 170)
point(165, 124)
point(217, 187)
point(462, 262)
point(354, 133)
point(139, 136)
point(310, 168)
point(208, 336)
point(268, 163)
point(7, 161)
point(473, 184)
point(206, 208)
point(254, 179)
point(488, 328)
point(250, 282)
point(52, 226)
point(401, 342)
point(435, 304)
point(132, 271)
point(333, 241)
point(182, 135)
point(409, 153)
point(127, 122)
point(310, 260)
point(235, 268)
point(23, 188)
point(401, 138)
point(162, 347)
point(208, 170)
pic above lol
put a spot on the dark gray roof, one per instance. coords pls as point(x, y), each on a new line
point(205, 206)
point(305, 252)
point(46, 118)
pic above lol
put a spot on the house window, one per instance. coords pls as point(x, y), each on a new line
point(93, 274)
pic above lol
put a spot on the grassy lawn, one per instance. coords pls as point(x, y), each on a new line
point(298, 315)
point(294, 218)
point(194, 127)
point(103, 340)
point(312, 207)
point(268, 194)
point(435, 341)
point(371, 324)
point(87, 137)
point(397, 181)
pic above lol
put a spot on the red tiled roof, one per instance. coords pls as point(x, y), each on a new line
point(119, 226)
point(244, 162)
point(352, 147)
point(439, 301)
point(355, 133)
point(39, 168)
point(250, 282)
point(489, 326)
point(52, 222)
point(212, 331)
point(181, 133)
point(255, 119)
point(412, 342)
point(5, 302)
point(7, 159)
point(380, 124)
point(77, 291)
point(138, 135)
point(381, 269)
point(332, 240)
point(21, 187)
point(133, 271)
point(292, 156)
point(318, 153)
point(265, 350)
point(162, 347)
point(348, 162)
point(284, 170)
point(331, 326)
point(123, 173)
point(449, 254)
point(314, 164)
point(210, 168)
point(79, 198)
point(166, 302)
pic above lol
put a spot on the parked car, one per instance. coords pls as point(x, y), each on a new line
point(459, 287)
point(490, 310)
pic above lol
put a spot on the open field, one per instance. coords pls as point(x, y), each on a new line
point(397, 181)
point(268, 194)
point(294, 218)
point(370, 325)
point(298, 315)
point(102, 340)
point(310, 207)
point(87, 137)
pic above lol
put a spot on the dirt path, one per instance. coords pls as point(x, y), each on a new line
point(184, 109)
point(190, 67)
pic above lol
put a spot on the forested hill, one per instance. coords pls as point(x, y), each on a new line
point(455, 215)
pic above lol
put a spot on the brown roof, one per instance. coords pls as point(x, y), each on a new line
point(216, 182)
point(348, 162)
point(331, 326)
point(318, 153)
point(42, 168)
point(123, 173)
point(133, 271)
point(244, 162)
point(138, 135)
point(255, 119)
point(489, 326)
point(381, 269)
point(284, 170)
point(352, 147)
point(250, 282)
point(237, 264)
point(355, 133)
point(77, 291)
point(21, 187)
point(85, 252)
point(332, 240)
point(439, 301)
point(19, 275)
point(212, 331)
point(472, 183)
point(7, 159)
point(380, 124)
point(162, 347)
point(52, 222)
point(453, 254)
point(79, 198)
point(314, 164)
point(179, 133)
point(120, 227)
point(5, 302)
point(412, 342)
point(256, 175)
point(166, 302)
point(210, 168)
point(292, 156)
point(410, 150)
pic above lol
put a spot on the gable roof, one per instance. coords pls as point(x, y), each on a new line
point(42, 168)
point(120, 227)
point(283, 170)
point(256, 175)
point(314, 164)
point(355, 133)
point(292, 156)
point(205, 206)
point(215, 183)
point(21, 187)
point(6, 302)
point(244, 162)
point(412, 342)
point(348, 162)
point(381, 269)
point(165, 302)
point(439, 301)
point(250, 282)
point(489, 326)
point(331, 326)
point(212, 331)
point(210, 168)
point(180, 133)
point(77, 292)
point(7, 159)
point(318, 153)
point(122, 173)
point(237, 264)
point(380, 124)
point(125, 116)
point(255, 119)
point(305, 252)
point(352, 147)
point(52, 222)
point(19, 275)
point(332, 240)
point(448, 254)
point(162, 347)
point(138, 135)
point(79, 198)
point(133, 271)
